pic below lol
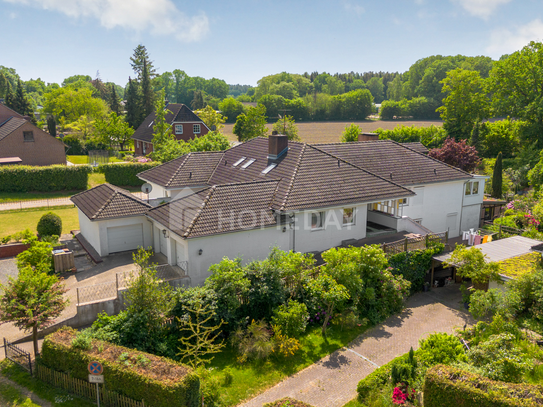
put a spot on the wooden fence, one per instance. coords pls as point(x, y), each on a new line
point(415, 243)
point(84, 389)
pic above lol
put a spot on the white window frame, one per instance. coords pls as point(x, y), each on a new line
point(353, 217)
point(403, 201)
point(196, 126)
point(178, 129)
point(321, 216)
point(144, 147)
point(469, 190)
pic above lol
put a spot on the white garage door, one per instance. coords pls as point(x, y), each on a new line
point(123, 238)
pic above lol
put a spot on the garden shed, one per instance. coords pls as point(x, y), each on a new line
point(499, 250)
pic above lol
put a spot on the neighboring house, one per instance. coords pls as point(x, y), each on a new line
point(23, 143)
point(185, 125)
point(272, 192)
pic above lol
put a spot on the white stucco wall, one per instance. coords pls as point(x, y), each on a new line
point(159, 192)
point(90, 230)
point(249, 245)
point(383, 219)
point(304, 239)
point(435, 203)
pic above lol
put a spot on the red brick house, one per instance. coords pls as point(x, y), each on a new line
point(23, 143)
point(184, 123)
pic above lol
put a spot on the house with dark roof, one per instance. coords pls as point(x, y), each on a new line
point(185, 125)
point(270, 192)
point(112, 219)
point(23, 143)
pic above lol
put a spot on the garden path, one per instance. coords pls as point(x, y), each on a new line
point(332, 380)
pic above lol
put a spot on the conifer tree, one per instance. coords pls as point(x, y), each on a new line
point(146, 90)
point(52, 126)
point(114, 101)
point(497, 178)
point(9, 98)
point(134, 111)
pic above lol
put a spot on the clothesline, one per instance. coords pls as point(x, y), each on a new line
point(474, 238)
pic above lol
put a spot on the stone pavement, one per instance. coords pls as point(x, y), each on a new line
point(332, 381)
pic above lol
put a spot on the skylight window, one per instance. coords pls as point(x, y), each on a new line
point(238, 162)
point(249, 162)
point(269, 168)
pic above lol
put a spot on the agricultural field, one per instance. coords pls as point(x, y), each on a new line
point(330, 132)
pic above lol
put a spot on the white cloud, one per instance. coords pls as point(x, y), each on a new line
point(504, 41)
point(160, 17)
point(481, 8)
point(354, 8)
point(13, 16)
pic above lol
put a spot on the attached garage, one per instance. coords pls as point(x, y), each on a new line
point(123, 238)
point(113, 220)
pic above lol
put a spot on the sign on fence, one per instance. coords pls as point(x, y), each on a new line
point(95, 368)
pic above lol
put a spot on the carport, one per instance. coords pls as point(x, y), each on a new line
point(498, 250)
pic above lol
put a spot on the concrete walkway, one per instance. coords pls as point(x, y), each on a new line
point(332, 380)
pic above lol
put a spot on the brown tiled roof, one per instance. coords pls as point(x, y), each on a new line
point(188, 170)
point(219, 209)
point(396, 162)
point(108, 201)
point(417, 146)
point(178, 113)
point(10, 125)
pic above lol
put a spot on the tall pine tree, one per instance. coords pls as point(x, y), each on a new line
point(147, 90)
point(9, 98)
point(497, 178)
point(114, 101)
point(134, 111)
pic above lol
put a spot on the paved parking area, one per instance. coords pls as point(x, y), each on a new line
point(332, 381)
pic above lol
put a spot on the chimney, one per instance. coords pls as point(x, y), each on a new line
point(277, 145)
point(368, 137)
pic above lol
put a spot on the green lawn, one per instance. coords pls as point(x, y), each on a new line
point(251, 378)
point(94, 180)
point(56, 397)
point(13, 397)
point(83, 159)
point(12, 222)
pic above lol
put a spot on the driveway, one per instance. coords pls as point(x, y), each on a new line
point(332, 381)
point(101, 273)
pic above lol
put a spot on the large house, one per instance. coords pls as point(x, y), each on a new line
point(271, 192)
point(185, 125)
point(23, 143)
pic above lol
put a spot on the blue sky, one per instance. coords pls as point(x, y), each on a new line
point(241, 41)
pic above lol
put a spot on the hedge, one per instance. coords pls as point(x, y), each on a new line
point(125, 174)
point(160, 382)
point(376, 379)
point(24, 178)
point(446, 386)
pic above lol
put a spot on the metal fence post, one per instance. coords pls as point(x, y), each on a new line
point(78, 296)
point(405, 244)
point(426, 244)
point(30, 364)
point(5, 348)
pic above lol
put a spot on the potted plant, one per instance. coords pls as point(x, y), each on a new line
point(426, 286)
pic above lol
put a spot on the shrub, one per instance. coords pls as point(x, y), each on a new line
point(125, 174)
point(291, 318)
point(500, 358)
point(23, 178)
point(254, 342)
point(49, 224)
point(404, 370)
point(159, 381)
point(413, 265)
point(82, 341)
point(441, 348)
point(446, 386)
point(38, 256)
point(375, 380)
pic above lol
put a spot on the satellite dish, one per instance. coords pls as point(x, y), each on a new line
point(146, 188)
point(213, 128)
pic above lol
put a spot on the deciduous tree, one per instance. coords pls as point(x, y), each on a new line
point(113, 130)
point(211, 118)
point(251, 124)
point(466, 102)
point(458, 154)
point(287, 126)
point(350, 133)
point(32, 301)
